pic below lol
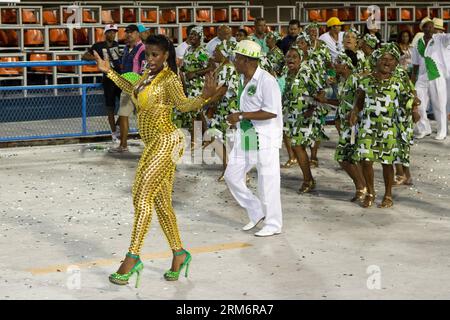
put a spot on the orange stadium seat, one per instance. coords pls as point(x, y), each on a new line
point(236, 14)
point(9, 16)
point(406, 14)
point(107, 16)
point(33, 37)
point(220, 15)
point(49, 17)
point(59, 37)
point(446, 14)
point(9, 38)
point(40, 57)
point(209, 32)
point(99, 35)
point(345, 14)
point(88, 16)
point(249, 16)
point(333, 13)
point(10, 71)
point(129, 15)
point(80, 36)
point(167, 16)
point(65, 69)
point(203, 16)
point(149, 16)
point(28, 16)
point(364, 14)
point(317, 15)
point(184, 15)
point(391, 14)
point(121, 35)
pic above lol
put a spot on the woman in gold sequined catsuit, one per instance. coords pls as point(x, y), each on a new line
point(155, 94)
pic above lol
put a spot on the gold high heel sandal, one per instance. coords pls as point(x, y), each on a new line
point(314, 163)
point(307, 186)
point(359, 195)
point(289, 163)
point(368, 200)
point(386, 203)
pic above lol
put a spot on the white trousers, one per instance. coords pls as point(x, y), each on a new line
point(436, 92)
point(448, 96)
point(268, 204)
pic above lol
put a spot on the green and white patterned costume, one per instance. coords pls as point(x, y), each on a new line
point(346, 95)
point(302, 130)
point(405, 120)
point(276, 60)
point(195, 59)
point(379, 129)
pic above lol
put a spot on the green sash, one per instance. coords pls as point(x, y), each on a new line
point(430, 65)
point(249, 136)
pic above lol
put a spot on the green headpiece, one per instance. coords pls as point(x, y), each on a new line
point(304, 36)
point(274, 34)
point(227, 47)
point(390, 47)
point(353, 30)
point(313, 25)
point(371, 40)
point(199, 30)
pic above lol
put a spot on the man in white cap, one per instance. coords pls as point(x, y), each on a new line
point(110, 49)
point(257, 142)
point(428, 61)
point(439, 27)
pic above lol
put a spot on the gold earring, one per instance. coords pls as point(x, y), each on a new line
point(165, 64)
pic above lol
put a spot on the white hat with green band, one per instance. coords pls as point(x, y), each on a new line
point(248, 48)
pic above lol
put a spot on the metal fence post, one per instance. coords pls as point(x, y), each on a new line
point(83, 110)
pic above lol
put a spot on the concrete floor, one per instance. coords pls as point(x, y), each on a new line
point(66, 217)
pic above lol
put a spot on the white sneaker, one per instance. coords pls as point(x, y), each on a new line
point(422, 135)
point(266, 232)
point(440, 137)
point(251, 225)
point(115, 137)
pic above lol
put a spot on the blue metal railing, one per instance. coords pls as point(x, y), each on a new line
point(52, 111)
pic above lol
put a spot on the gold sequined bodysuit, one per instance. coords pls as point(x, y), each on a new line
point(164, 144)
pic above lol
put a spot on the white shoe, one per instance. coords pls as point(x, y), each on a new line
point(266, 232)
point(251, 225)
point(440, 137)
point(422, 135)
point(115, 137)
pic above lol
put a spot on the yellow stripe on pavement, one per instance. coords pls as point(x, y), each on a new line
point(148, 256)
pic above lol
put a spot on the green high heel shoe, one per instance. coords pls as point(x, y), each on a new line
point(173, 275)
point(122, 279)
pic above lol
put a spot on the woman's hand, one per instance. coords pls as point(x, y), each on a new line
point(103, 65)
point(211, 87)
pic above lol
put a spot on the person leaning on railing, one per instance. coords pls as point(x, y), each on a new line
point(154, 94)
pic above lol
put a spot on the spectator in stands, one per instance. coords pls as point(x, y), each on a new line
point(260, 34)
point(242, 34)
point(144, 32)
point(293, 32)
point(404, 42)
point(181, 49)
point(133, 60)
point(109, 49)
point(223, 33)
point(333, 37)
point(428, 63)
